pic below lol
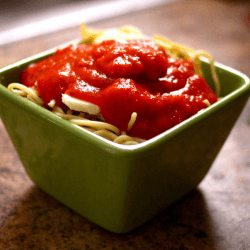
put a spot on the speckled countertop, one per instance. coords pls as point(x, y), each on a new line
point(216, 215)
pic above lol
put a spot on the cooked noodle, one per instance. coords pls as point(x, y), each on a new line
point(97, 125)
point(88, 115)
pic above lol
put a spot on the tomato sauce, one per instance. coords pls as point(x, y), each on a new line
point(123, 77)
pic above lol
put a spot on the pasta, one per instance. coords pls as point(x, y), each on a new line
point(88, 115)
point(95, 125)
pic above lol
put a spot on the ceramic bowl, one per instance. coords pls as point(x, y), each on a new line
point(116, 186)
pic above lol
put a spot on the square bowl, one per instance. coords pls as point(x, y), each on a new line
point(118, 187)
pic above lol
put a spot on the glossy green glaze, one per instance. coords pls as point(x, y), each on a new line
point(118, 187)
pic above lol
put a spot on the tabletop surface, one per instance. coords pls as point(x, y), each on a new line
point(216, 215)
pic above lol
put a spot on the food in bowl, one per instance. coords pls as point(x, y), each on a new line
point(128, 89)
point(120, 187)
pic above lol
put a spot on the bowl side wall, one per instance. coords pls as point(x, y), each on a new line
point(172, 168)
point(118, 190)
point(88, 178)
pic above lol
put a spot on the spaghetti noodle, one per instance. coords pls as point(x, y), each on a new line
point(87, 114)
point(95, 125)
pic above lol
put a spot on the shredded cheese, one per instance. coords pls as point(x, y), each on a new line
point(80, 105)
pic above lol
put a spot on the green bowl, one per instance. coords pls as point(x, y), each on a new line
point(118, 187)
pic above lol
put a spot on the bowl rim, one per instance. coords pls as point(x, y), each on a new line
point(102, 142)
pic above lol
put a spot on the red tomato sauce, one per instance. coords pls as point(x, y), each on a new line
point(122, 78)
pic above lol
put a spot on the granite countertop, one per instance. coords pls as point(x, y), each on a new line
point(216, 215)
